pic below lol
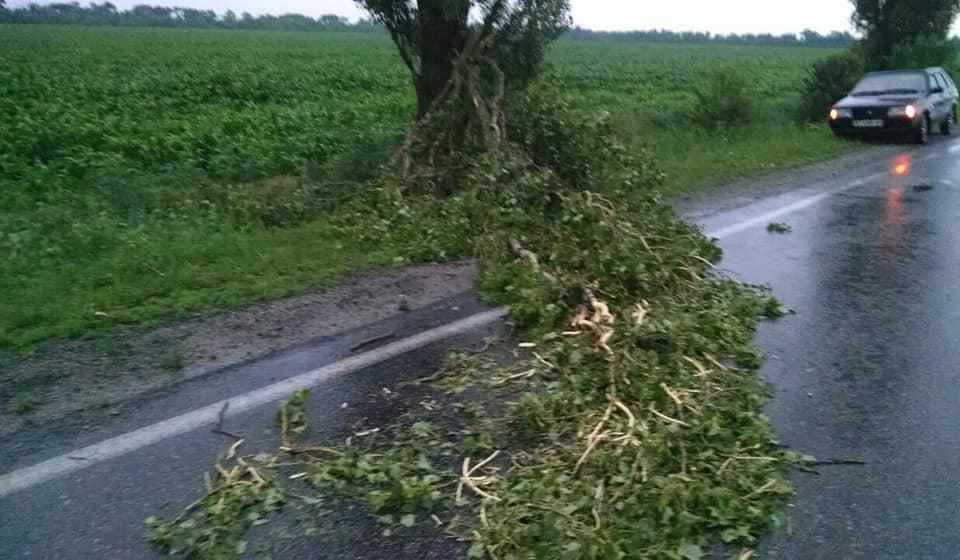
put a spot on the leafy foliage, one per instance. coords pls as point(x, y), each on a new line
point(642, 429)
point(779, 227)
point(213, 528)
point(924, 52)
point(579, 151)
point(725, 98)
point(401, 480)
point(431, 34)
point(636, 430)
point(901, 24)
point(829, 81)
point(293, 416)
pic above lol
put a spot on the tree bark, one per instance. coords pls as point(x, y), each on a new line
point(441, 35)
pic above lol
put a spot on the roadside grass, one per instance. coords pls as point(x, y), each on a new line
point(174, 270)
point(696, 160)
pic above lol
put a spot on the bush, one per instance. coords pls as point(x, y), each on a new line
point(579, 148)
point(725, 98)
point(830, 80)
point(923, 53)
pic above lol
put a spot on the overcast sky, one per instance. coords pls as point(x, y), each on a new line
point(729, 16)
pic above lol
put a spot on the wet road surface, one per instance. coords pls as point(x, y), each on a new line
point(866, 370)
point(869, 367)
point(98, 512)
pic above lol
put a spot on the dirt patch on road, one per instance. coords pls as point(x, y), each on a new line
point(70, 376)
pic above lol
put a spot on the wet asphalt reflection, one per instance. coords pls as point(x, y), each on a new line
point(869, 367)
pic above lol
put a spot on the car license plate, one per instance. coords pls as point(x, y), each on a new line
point(871, 123)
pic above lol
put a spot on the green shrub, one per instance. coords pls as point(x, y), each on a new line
point(923, 53)
point(725, 98)
point(579, 148)
point(829, 81)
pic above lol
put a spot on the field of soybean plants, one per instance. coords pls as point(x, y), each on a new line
point(151, 173)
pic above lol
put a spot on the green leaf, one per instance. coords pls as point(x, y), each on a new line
point(477, 550)
point(408, 520)
point(422, 429)
point(378, 499)
point(690, 552)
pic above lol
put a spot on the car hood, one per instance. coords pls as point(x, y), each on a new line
point(851, 102)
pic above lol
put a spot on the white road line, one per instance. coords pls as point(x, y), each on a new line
point(767, 217)
point(733, 229)
point(132, 441)
point(115, 447)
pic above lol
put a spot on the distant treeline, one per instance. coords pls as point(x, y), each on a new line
point(73, 13)
point(808, 38)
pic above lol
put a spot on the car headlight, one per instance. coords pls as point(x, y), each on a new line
point(837, 113)
point(909, 111)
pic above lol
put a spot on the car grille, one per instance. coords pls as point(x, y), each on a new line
point(869, 112)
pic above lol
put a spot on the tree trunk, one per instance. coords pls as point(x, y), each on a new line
point(442, 34)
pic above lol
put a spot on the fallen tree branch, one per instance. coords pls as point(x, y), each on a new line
point(474, 483)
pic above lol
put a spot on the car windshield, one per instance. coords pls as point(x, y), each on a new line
point(893, 83)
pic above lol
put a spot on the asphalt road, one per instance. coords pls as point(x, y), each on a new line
point(98, 512)
point(869, 367)
point(866, 370)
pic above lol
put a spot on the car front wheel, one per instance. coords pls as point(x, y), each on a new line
point(922, 134)
point(946, 128)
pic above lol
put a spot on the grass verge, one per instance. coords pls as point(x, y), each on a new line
point(165, 270)
point(696, 160)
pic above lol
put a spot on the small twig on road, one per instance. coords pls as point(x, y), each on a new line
point(830, 462)
point(807, 467)
point(487, 343)
point(373, 340)
point(221, 416)
point(309, 450)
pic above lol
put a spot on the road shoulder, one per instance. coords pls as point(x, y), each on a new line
point(68, 377)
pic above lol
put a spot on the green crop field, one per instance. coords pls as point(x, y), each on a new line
point(146, 173)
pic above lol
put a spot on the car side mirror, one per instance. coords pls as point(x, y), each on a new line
point(936, 90)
